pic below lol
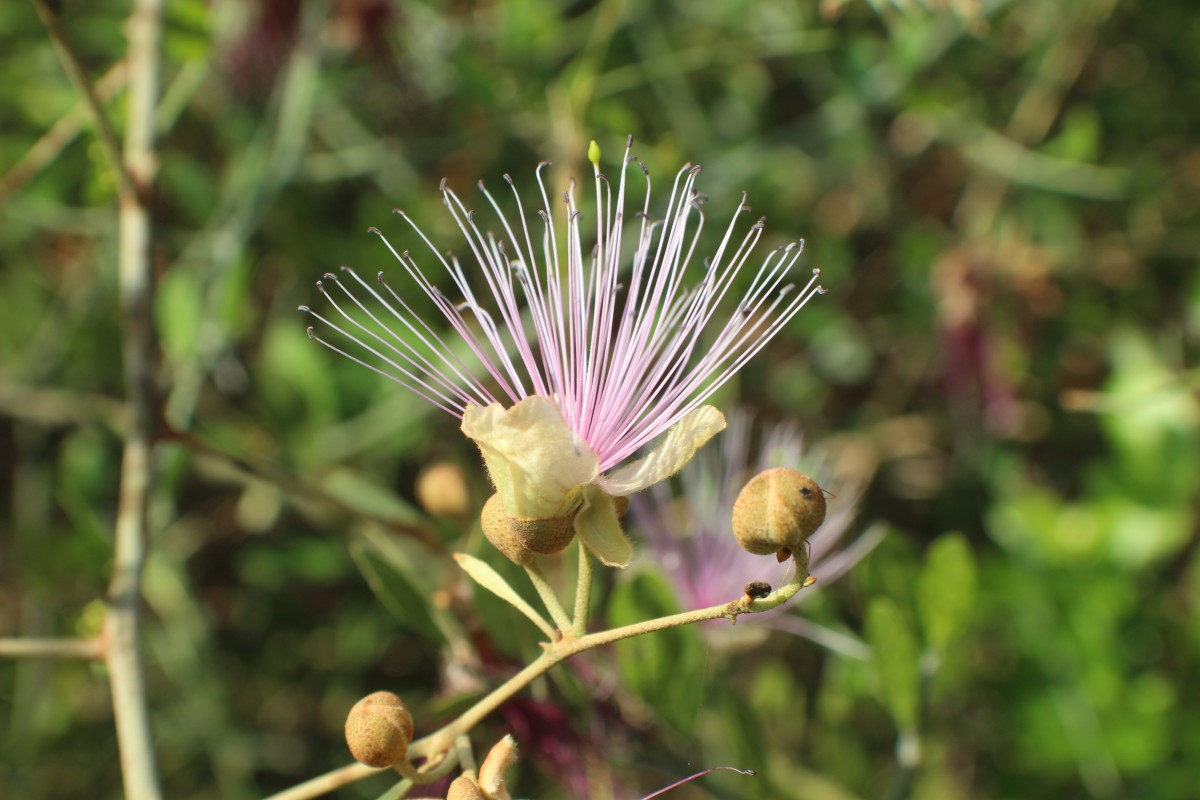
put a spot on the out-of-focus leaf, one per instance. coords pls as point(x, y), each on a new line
point(946, 590)
point(664, 668)
point(891, 636)
point(396, 591)
point(361, 494)
point(178, 311)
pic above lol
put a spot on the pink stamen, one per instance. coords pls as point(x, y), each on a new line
point(624, 358)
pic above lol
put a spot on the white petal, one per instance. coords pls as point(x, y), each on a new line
point(598, 528)
point(672, 453)
point(534, 459)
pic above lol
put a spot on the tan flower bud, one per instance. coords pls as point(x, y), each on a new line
point(497, 531)
point(378, 730)
point(777, 511)
point(464, 788)
point(519, 539)
point(491, 774)
point(443, 492)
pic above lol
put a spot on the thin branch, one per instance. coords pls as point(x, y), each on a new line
point(565, 648)
point(128, 187)
point(324, 784)
point(538, 578)
point(444, 739)
point(583, 592)
point(28, 647)
point(60, 134)
point(58, 408)
point(122, 623)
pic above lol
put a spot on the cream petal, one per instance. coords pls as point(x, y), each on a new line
point(672, 453)
point(598, 528)
point(533, 458)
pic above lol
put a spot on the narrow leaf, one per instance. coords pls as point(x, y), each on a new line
point(489, 579)
point(946, 590)
point(895, 648)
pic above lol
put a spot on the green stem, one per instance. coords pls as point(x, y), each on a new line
point(442, 740)
point(583, 592)
point(557, 612)
point(563, 649)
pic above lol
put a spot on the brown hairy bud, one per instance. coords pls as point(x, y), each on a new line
point(519, 538)
point(464, 788)
point(378, 730)
point(497, 531)
point(777, 511)
point(442, 491)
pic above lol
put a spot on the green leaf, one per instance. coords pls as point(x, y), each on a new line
point(488, 578)
point(178, 313)
point(891, 636)
point(664, 668)
point(946, 590)
point(359, 493)
point(397, 590)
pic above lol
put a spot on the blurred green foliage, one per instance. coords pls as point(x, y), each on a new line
point(1004, 198)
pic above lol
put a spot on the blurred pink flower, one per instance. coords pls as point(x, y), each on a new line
point(691, 534)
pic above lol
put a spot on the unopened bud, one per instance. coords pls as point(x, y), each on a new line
point(464, 788)
point(378, 730)
point(777, 511)
point(443, 492)
point(519, 538)
point(491, 774)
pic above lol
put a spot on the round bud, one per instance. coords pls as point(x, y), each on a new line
point(777, 511)
point(519, 538)
point(378, 730)
point(464, 788)
point(442, 491)
point(497, 531)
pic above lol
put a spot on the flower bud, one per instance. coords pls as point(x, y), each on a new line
point(498, 761)
point(777, 511)
point(519, 538)
point(378, 730)
point(463, 788)
point(442, 491)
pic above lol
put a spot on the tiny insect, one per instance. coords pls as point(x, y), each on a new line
point(757, 590)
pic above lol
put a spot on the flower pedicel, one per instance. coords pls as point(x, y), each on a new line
point(586, 362)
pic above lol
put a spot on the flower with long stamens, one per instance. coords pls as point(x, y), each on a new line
point(577, 355)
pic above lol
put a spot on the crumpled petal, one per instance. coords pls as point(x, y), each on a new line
point(533, 458)
point(598, 528)
point(672, 453)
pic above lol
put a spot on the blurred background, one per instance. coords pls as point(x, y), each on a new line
point(1004, 200)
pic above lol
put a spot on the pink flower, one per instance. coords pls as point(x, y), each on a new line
point(577, 355)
